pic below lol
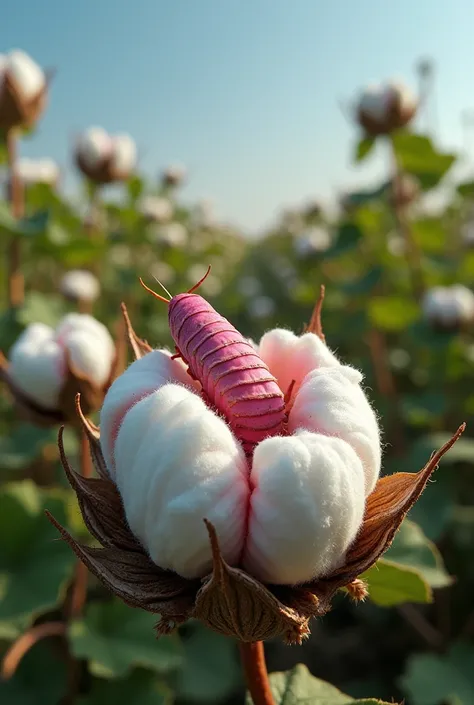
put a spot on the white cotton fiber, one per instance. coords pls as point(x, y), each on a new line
point(26, 74)
point(290, 357)
point(331, 402)
point(37, 365)
point(177, 463)
point(124, 154)
point(94, 146)
point(142, 378)
point(80, 285)
point(306, 507)
point(374, 102)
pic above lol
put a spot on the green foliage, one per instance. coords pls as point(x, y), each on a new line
point(28, 543)
point(441, 680)
point(363, 148)
point(299, 687)
point(116, 638)
point(393, 584)
point(40, 679)
point(140, 687)
point(417, 155)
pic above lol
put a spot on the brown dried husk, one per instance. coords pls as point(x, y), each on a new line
point(102, 173)
point(396, 117)
point(229, 600)
point(15, 111)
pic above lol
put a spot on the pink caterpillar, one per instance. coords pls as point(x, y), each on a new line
point(233, 376)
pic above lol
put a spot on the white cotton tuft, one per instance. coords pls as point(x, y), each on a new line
point(331, 402)
point(448, 306)
point(28, 77)
point(374, 102)
point(315, 240)
point(156, 208)
point(176, 464)
point(38, 171)
point(80, 285)
point(89, 344)
point(124, 154)
point(37, 365)
point(306, 507)
point(403, 94)
point(142, 378)
point(173, 235)
point(94, 146)
point(290, 357)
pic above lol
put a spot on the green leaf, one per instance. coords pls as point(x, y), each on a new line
point(347, 238)
point(211, 671)
point(115, 638)
point(23, 445)
point(365, 284)
point(141, 687)
point(135, 188)
point(441, 680)
point(394, 584)
point(34, 564)
point(39, 680)
point(41, 308)
point(466, 189)
point(364, 148)
point(417, 155)
point(413, 549)
point(429, 234)
point(299, 687)
point(31, 226)
point(392, 313)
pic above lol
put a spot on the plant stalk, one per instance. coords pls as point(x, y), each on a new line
point(16, 282)
point(255, 669)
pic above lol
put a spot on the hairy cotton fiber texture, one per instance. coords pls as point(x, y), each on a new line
point(141, 379)
point(177, 462)
point(306, 507)
point(39, 358)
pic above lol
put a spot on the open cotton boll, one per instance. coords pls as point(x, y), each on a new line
point(142, 378)
point(124, 155)
point(37, 365)
point(28, 77)
point(290, 357)
point(83, 321)
point(34, 171)
point(79, 284)
point(156, 208)
point(374, 101)
point(176, 463)
point(401, 92)
point(306, 507)
point(89, 356)
point(332, 402)
point(95, 145)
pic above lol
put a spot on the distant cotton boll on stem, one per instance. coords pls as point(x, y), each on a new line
point(124, 153)
point(79, 284)
point(39, 358)
point(94, 146)
point(385, 107)
point(27, 75)
point(173, 235)
point(155, 208)
point(37, 171)
point(449, 307)
point(313, 241)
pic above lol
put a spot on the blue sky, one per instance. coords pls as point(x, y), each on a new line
point(245, 93)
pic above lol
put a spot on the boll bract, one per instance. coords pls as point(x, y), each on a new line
point(384, 108)
point(105, 158)
point(449, 307)
point(23, 90)
point(239, 483)
point(47, 367)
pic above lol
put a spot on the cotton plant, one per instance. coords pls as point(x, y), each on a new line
point(48, 366)
point(383, 108)
point(173, 176)
point(23, 90)
point(449, 307)
point(105, 158)
point(155, 209)
point(312, 241)
point(239, 482)
point(80, 286)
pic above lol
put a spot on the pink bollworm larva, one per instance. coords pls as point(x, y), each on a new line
point(234, 378)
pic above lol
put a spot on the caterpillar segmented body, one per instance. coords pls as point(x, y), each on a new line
point(233, 376)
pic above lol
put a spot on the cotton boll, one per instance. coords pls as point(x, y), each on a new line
point(82, 321)
point(290, 357)
point(28, 77)
point(142, 378)
point(124, 155)
point(400, 92)
point(88, 356)
point(173, 235)
point(95, 145)
point(464, 302)
point(178, 463)
point(156, 208)
point(331, 402)
point(315, 240)
point(448, 306)
point(80, 285)
point(374, 102)
point(37, 365)
point(306, 507)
